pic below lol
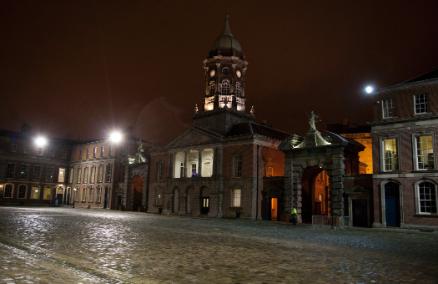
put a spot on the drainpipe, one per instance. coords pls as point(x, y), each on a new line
point(257, 185)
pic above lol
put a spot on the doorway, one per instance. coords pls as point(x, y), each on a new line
point(137, 188)
point(360, 212)
point(274, 208)
point(392, 204)
point(315, 193)
point(205, 205)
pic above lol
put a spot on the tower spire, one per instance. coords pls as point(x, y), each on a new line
point(227, 29)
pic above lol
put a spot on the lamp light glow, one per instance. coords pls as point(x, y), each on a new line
point(41, 141)
point(369, 89)
point(116, 137)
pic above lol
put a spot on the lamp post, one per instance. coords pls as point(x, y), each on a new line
point(40, 142)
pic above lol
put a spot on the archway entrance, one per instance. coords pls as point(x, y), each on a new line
point(137, 189)
point(315, 193)
point(392, 204)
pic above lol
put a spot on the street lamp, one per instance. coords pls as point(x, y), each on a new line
point(116, 137)
point(369, 89)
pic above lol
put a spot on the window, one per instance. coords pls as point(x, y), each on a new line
point(49, 174)
point(10, 171)
point(85, 177)
point(47, 193)
point(424, 152)
point(95, 151)
point(427, 198)
point(211, 88)
point(61, 175)
point(389, 154)
point(420, 103)
point(225, 87)
point(108, 173)
point(35, 193)
point(36, 172)
point(84, 195)
point(100, 173)
point(79, 175)
point(93, 175)
point(238, 89)
point(237, 166)
point(179, 165)
point(207, 158)
point(90, 195)
point(269, 171)
point(236, 198)
point(387, 108)
point(22, 191)
point(22, 171)
point(9, 191)
point(98, 194)
point(71, 176)
point(193, 161)
point(102, 151)
point(159, 169)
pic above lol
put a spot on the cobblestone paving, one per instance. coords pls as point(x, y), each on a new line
point(61, 245)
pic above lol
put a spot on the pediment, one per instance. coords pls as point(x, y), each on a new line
point(193, 137)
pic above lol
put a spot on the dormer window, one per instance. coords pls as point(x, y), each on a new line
point(387, 108)
point(420, 104)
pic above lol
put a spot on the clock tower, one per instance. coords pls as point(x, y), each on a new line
point(225, 69)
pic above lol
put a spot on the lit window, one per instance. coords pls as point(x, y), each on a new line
point(225, 87)
point(85, 178)
point(35, 193)
point(424, 152)
point(236, 198)
point(9, 191)
point(179, 165)
point(61, 175)
point(70, 178)
point(93, 175)
point(47, 193)
point(387, 108)
point(237, 166)
point(420, 103)
point(100, 174)
point(269, 171)
point(389, 154)
point(193, 161)
point(22, 191)
point(207, 157)
point(108, 173)
point(427, 198)
point(95, 151)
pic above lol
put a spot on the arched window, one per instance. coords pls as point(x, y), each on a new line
point(179, 165)
point(238, 89)
point(225, 87)
point(86, 175)
point(211, 88)
point(93, 175)
point(426, 198)
point(22, 191)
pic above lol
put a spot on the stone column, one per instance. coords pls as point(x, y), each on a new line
point(218, 172)
point(336, 173)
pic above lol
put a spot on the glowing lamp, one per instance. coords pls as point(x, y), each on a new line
point(40, 141)
point(116, 137)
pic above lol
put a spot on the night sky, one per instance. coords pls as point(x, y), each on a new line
point(75, 69)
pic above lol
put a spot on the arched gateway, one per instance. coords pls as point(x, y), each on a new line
point(318, 166)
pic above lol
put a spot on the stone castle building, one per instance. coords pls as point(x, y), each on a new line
point(229, 165)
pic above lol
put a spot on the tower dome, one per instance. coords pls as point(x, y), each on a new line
point(226, 44)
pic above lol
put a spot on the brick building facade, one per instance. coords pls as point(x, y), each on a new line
point(404, 144)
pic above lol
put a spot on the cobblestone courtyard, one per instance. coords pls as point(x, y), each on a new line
point(54, 245)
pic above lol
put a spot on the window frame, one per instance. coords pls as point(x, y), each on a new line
point(418, 199)
point(425, 102)
point(237, 170)
point(235, 196)
point(12, 190)
point(389, 109)
point(415, 151)
point(20, 186)
point(382, 154)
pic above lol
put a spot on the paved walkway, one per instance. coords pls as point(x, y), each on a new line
point(63, 245)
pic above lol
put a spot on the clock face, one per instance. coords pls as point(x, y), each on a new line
point(212, 73)
point(238, 73)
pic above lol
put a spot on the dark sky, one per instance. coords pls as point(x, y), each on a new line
point(78, 68)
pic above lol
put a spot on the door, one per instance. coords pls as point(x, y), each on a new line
point(360, 212)
point(105, 198)
point(205, 205)
point(274, 208)
point(392, 204)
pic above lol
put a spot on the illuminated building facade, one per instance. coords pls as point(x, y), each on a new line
point(225, 164)
point(405, 133)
